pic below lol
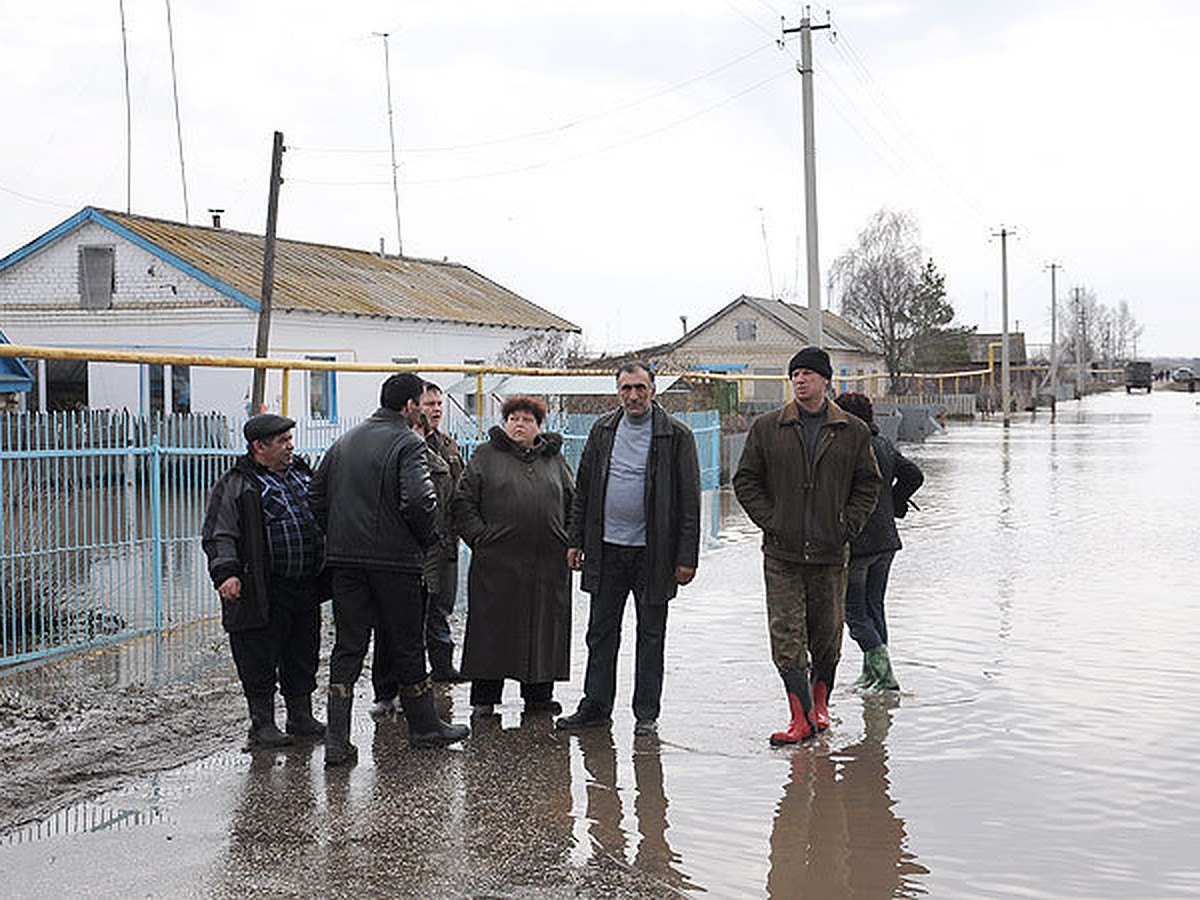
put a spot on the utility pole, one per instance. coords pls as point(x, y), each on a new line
point(1053, 267)
point(262, 343)
point(1080, 324)
point(805, 29)
point(178, 127)
point(128, 114)
point(1005, 392)
point(387, 71)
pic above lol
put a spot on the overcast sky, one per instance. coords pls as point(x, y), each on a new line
point(627, 162)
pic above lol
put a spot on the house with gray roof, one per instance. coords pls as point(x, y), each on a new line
point(114, 281)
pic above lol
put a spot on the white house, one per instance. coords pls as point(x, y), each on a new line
point(109, 280)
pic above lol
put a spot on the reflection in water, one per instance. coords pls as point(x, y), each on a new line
point(835, 832)
point(608, 839)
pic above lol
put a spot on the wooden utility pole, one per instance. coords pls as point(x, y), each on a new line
point(1005, 361)
point(815, 322)
point(262, 343)
point(1053, 267)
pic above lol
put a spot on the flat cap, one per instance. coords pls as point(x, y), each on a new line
point(266, 426)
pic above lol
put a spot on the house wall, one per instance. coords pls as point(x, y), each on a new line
point(718, 344)
point(160, 309)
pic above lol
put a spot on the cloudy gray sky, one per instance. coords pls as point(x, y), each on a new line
point(618, 161)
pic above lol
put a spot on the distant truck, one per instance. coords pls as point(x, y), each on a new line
point(1138, 374)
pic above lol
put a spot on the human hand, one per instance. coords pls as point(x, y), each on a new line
point(230, 588)
point(574, 558)
point(684, 574)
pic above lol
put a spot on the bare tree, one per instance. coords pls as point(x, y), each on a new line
point(543, 349)
point(879, 280)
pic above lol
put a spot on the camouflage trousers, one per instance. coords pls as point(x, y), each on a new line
point(806, 609)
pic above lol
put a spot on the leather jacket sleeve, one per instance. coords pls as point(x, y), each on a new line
point(417, 500)
point(222, 530)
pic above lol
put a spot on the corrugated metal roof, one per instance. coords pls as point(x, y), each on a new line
point(328, 279)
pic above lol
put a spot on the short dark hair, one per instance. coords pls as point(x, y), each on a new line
point(399, 389)
point(535, 406)
point(857, 405)
point(635, 366)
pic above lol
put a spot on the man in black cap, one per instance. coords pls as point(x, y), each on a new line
point(265, 550)
point(374, 495)
point(808, 478)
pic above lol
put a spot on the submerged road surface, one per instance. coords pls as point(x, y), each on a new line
point(1043, 613)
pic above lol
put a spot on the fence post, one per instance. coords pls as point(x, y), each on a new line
point(715, 448)
point(156, 529)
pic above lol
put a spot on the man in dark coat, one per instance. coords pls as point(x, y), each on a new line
point(634, 527)
point(807, 477)
point(373, 494)
point(264, 551)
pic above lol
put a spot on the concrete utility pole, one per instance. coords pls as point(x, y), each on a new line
point(262, 343)
point(1005, 392)
point(387, 71)
point(816, 325)
point(1080, 325)
point(1053, 267)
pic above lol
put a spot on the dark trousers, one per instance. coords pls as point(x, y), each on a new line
point(284, 651)
point(623, 571)
point(866, 584)
point(441, 603)
point(393, 603)
point(487, 691)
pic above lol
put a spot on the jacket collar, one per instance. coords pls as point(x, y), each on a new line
point(658, 418)
point(834, 414)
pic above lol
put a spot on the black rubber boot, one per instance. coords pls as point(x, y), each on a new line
point(300, 721)
point(338, 749)
point(441, 660)
point(264, 735)
point(425, 729)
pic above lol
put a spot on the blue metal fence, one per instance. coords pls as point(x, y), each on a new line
point(101, 513)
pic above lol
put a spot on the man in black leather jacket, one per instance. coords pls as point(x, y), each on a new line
point(373, 494)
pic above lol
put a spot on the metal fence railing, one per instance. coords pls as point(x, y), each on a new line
point(101, 514)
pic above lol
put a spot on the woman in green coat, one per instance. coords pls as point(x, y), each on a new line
point(511, 508)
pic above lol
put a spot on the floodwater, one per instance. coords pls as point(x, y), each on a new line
point(1044, 621)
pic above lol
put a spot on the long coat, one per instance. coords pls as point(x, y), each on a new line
point(672, 504)
point(901, 478)
point(511, 509)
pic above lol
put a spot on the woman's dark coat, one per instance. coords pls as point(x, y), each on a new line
point(511, 509)
point(901, 478)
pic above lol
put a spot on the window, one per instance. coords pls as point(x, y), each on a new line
point(322, 392)
point(747, 329)
point(405, 360)
point(97, 277)
point(181, 389)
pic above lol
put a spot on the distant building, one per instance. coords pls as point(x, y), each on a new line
point(108, 280)
point(978, 347)
point(756, 336)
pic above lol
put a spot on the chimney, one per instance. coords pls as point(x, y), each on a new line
point(683, 319)
point(381, 253)
point(216, 217)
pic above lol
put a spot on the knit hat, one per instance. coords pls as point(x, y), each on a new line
point(814, 359)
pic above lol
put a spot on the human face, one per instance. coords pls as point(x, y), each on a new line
point(522, 427)
point(431, 406)
point(275, 453)
point(809, 388)
point(636, 390)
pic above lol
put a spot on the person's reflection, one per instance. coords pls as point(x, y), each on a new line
point(654, 855)
point(835, 832)
point(275, 821)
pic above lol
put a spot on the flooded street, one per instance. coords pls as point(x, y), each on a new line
point(1043, 616)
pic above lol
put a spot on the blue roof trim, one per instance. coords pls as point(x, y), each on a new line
point(719, 367)
point(52, 235)
point(90, 214)
point(171, 259)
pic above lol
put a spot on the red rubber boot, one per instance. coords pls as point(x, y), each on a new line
point(800, 701)
point(820, 711)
